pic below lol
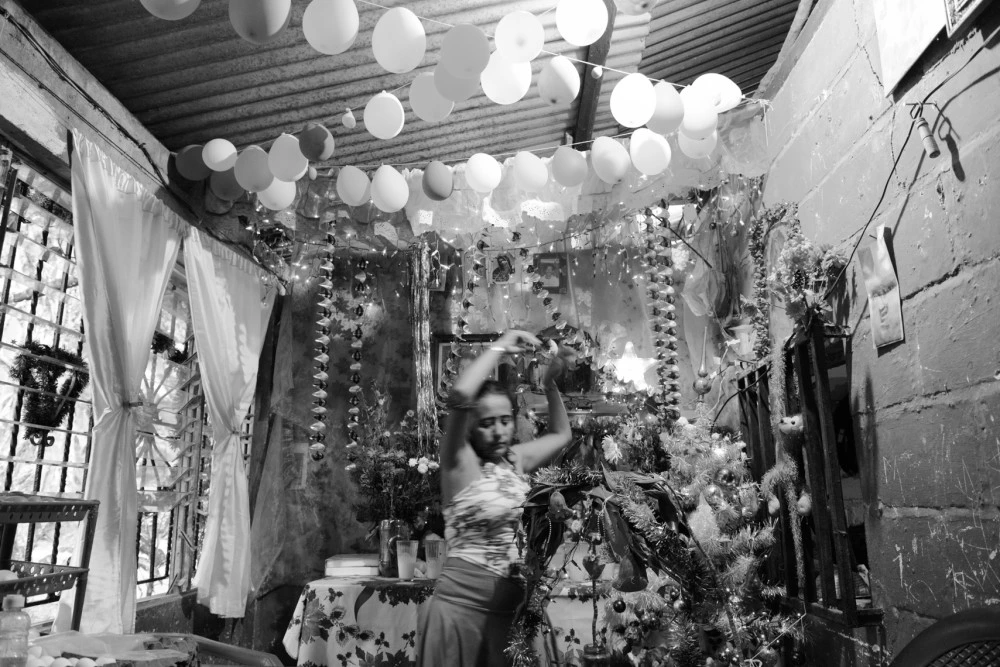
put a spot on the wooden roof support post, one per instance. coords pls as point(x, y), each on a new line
point(590, 90)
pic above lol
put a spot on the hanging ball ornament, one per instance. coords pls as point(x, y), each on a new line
point(505, 82)
point(559, 81)
point(390, 191)
point(353, 186)
point(427, 103)
point(697, 148)
point(581, 22)
point(633, 100)
point(190, 163)
point(714, 495)
point(725, 478)
point(465, 51)
point(219, 155)
point(650, 152)
point(171, 10)
point(452, 87)
point(399, 40)
point(384, 116)
point(669, 110)
point(278, 196)
point(609, 159)
point(331, 26)
point(316, 143)
point(438, 181)
point(483, 173)
point(259, 21)
point(224, 185)
point(251, 170)
point(700, 116)
point(530, 173)
point(348, 120)
point(722, 90)
point(569, 166)
point(285, 159)
point(636, 7)
point(519, 36)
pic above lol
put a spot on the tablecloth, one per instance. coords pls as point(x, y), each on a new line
point(372, 622)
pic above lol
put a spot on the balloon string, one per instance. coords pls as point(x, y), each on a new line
point(422, 18)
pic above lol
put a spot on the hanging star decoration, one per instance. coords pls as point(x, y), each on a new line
point(632, 368)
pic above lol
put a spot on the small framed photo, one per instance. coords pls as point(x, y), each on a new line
point(439, 275)
point(552, 270)
point(502, 268)
point(959, 13)
point(468, 348)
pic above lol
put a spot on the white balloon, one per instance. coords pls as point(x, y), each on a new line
point(569, 166)
point(465, 51)
point(286, 160)
point(219, 154)
point(530, 173)
point(581, 22)
point(559, 82)
point(718, 86)
point(505, 82)
point(425, 100)
point(669, 111)
point(649, 151)
point(252, 171)
point(259, 21)
point(389, 189)
point(331, 26)
point(700, 116)
point(610, 160)
point(171, 10)
point(633, 100)
point(353, 186)
point(452, 87)
point(519, 36)
point(399, 40)
point(278, 196)
point(384, 116)
point(697, 148)
point(348, 120)
point(483, 173)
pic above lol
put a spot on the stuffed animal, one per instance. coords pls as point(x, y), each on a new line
point(791, 425)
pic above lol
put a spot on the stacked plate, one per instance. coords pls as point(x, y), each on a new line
point(352, 565)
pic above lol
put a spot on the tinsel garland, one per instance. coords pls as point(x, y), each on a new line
point(759, 309)
point(360, 287)
point(420, 271)
point(317, 448)
point(662, 311)
point(47, 401)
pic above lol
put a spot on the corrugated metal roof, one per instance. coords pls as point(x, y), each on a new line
point(740, 39)
point(193, 80)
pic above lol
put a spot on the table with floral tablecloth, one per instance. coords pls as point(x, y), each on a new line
point(369, 622)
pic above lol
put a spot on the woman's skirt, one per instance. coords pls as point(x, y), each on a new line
point(467, 622)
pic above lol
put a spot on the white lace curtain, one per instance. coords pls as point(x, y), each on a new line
point(230, 309)
point(126, 246)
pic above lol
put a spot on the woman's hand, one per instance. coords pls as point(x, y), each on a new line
point(514, 341)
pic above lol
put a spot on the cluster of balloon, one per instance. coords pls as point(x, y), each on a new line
point(659, 275)
point(360, 288)
point(317, 448)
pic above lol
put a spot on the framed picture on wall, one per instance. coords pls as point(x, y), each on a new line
point(501, 268)
point(552, 270)
point(959, 13)
point(470, 347)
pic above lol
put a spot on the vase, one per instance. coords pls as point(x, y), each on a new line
point(389, 531)
point(596, 656)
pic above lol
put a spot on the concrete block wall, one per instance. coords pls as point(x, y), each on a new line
point(928, 410)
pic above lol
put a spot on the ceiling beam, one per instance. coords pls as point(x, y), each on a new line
point(590, 90)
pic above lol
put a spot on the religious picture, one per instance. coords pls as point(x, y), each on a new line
point(552, 272)
point(884, 306)
point(502, 269)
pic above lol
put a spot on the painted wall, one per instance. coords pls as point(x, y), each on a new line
point(926, 409)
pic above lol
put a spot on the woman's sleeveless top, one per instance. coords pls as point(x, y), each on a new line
point(482, 520)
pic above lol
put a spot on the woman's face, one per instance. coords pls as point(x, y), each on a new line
point(493, 430)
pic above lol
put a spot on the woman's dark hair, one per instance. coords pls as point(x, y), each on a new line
point(499, 389)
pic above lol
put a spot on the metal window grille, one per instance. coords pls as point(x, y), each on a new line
point(40, 303)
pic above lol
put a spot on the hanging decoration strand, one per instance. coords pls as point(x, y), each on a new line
point(659, 272)
point(360, 288)
point(317, 449)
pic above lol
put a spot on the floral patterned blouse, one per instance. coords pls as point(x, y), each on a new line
point(482, 520)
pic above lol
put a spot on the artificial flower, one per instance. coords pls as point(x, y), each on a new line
point(612, 452)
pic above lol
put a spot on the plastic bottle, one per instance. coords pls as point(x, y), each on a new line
point(14, 627)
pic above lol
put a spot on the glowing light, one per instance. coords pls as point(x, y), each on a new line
point(631, 368)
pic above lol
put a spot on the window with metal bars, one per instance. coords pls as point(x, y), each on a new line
point(41, 317)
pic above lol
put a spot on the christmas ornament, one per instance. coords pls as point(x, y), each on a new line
point(317, 448)
point(359, 289)
point(659, 275)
